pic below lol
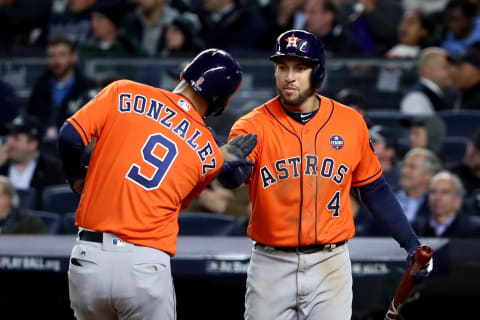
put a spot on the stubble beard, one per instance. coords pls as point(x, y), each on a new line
point(302, 96)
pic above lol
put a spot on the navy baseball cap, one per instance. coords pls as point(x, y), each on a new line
point(26, 124)
point(348, 96)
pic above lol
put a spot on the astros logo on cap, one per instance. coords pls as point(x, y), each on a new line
point(336, 142)
point(292, 41)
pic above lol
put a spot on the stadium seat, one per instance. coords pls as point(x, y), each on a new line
point(49, 146)
point(59, 198)
point(28, 198)
point(461, 123)
point(206, 224)
point(67, 224)
point(389, 119)
point(454, 148)
point(51, 219)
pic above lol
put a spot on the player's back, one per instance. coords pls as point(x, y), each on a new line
point(153, 153)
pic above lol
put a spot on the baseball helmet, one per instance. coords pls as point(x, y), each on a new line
point(305, 45)
point(215, 75)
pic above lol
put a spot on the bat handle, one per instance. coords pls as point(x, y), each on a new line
point(420, 259)
point(423, 254)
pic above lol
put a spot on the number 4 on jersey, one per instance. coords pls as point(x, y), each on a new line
point(334, 205)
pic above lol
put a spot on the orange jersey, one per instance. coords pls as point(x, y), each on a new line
point(152, 156)
point(300, 185)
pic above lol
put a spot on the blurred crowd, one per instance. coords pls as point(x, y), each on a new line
point(440, 194)
point(162, 28)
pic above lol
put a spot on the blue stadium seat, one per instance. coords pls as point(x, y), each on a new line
point(49, 146)
point(461, 123)
point(67, 224)
point(390, 120)
point(206, 224)
point(51, 219)
point(59, 198)
point(28, 198)
point(454, 148)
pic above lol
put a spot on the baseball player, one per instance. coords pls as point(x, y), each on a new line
point(153, 154)
point(311, 150)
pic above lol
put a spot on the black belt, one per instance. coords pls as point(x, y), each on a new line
point(305, 249)
point(92, 236)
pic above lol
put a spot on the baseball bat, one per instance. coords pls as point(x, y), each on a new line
point(420, 260)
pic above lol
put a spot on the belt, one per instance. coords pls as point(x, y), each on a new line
point(304, 249)
point(92, 236)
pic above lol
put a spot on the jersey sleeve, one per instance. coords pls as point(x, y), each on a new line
point(368, 169)
point(90, 120)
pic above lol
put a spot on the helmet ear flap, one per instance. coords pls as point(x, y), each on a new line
point(318, 73)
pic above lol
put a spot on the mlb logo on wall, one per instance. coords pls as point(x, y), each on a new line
point(336, 142)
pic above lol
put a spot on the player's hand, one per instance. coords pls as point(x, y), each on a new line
point(230, 165)
point(422, 274)
point(239, 147)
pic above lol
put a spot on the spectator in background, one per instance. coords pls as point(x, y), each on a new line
point(58, 92)
point(463, 26)
point(12, 219)
point(214, 199)
point(354, 99)
point(23, 22)
point(419, 166)
point(181, 38)
point(426, 132)
point(9, 105)
point(281, 15)
point(413, 35)
point(231, 25)
point(465, 74)
point(469, 170)
point(384, 144)
point(373, 23)
point(107, 39)
point(445, 202)
point(321, 19)
point(71, 19)
point(428, 95)
point(146, 25)
point(24, 164)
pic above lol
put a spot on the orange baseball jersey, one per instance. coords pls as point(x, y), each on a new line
point(300, 185)
point(152, 156)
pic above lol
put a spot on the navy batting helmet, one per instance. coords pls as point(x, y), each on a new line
point(305, 45)
point(215, 75)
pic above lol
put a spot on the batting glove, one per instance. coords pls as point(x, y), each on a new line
point(239, 147)
point(422, 274)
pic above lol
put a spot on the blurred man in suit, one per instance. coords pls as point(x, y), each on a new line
point(419, 166)
point(12, 220)
point(23, 162)
point(445, 201)
point(428, 95)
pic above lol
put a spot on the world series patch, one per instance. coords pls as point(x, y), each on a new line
point(336, 142)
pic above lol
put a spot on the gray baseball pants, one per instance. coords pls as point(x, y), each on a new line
point(295, 286)
point(118, 280)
